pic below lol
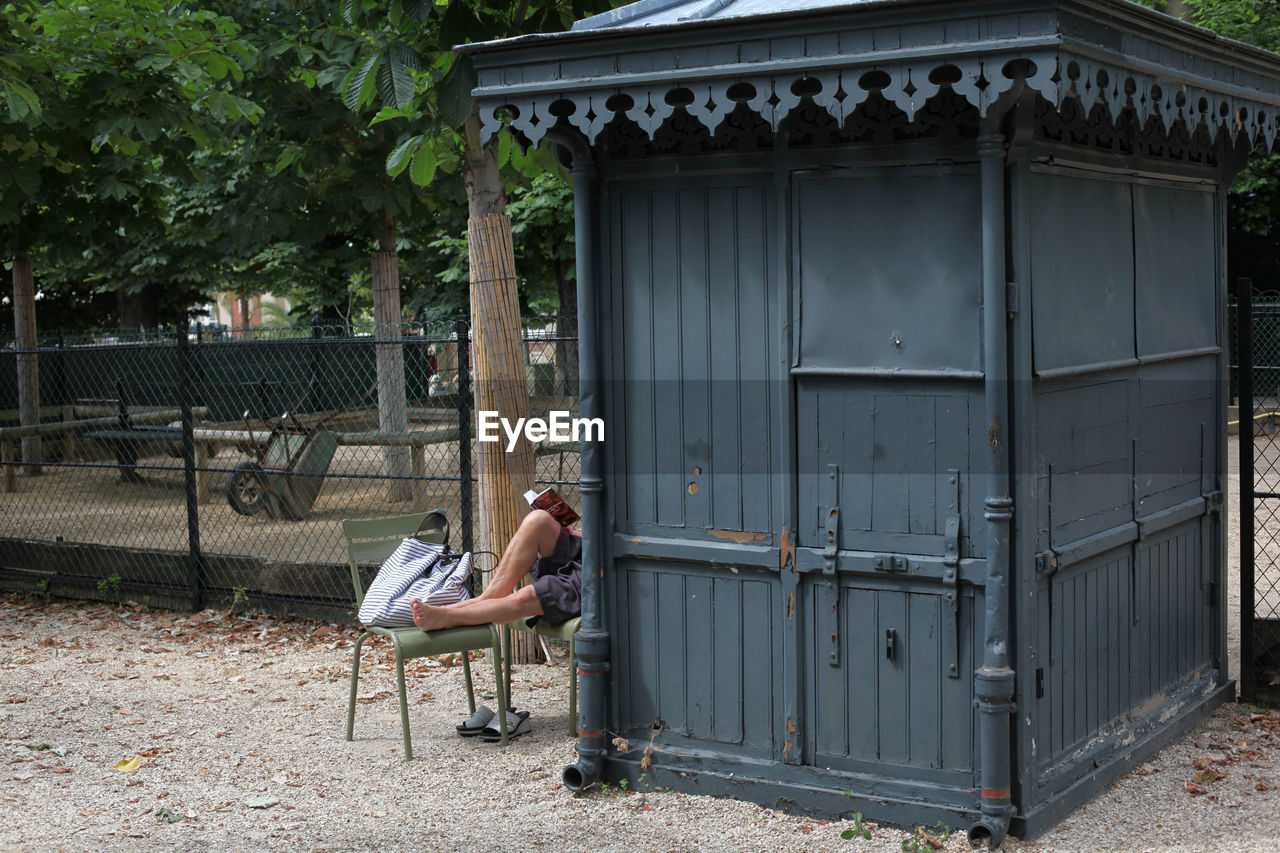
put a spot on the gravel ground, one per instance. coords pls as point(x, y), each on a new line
point(237, 724)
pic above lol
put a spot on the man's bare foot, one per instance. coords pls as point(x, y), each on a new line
point(425, 616)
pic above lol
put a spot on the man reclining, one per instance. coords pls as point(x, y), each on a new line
point(541, 548)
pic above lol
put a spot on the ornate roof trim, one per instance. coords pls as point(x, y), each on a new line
point(1090, 50)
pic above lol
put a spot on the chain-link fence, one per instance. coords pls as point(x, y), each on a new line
point(214, 468)
point(1257, 353)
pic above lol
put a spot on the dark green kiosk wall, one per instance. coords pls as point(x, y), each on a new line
point(1121, 549)
point(789, 336)
point(760, 334)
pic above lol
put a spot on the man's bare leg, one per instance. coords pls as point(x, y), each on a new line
point(521, 604)
point(535, 537)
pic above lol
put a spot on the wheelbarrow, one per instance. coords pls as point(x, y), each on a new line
point(288, 469)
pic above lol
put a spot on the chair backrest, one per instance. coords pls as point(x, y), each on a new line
point(371, 540)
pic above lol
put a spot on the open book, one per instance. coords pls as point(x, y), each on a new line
point(550, 500)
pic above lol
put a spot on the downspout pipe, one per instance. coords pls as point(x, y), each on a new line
point(592, 641)
point(994, 680)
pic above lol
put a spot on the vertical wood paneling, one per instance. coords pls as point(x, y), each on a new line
point(759, 677)
point(902, 710)
point(861, 689)
point(725, 396)
point(697, 357)
point(891, 681)
point(922, 482)
point(668, 367)
point(642, 628)
point(699, 627)
point(699, 653)
point(890, 499)
point(1088, 671)
point(923, 658)
point(672, 652)
point(637, 418)
point(694, 344)
point(756, 370)
point(727, 625)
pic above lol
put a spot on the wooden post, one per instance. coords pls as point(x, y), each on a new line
point(24, 327)
point(419, 470)
point(499, 358)
point(203, 491)
point(6, 456)
point(68, 437)
point(393, 416)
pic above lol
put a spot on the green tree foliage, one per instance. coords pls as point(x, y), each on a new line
point(104, 109)
point(422, 88)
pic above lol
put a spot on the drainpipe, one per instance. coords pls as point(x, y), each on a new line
point(592, 641)
point(994, 680)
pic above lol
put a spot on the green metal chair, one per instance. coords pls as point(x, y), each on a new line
point(563, 632)
point(371, 542)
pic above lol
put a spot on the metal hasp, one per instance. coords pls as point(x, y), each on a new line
point(989, 433)
point(829, 607)
point(951, 579)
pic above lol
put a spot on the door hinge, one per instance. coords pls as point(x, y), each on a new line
point(1011, 298)
point(951, 579)
point(830, 503)
point(828, 589)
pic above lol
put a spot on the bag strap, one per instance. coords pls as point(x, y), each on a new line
point(433, 521)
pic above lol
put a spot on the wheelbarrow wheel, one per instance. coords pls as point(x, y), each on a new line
point(247, 488)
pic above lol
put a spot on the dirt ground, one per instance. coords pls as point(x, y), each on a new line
point(146, 730)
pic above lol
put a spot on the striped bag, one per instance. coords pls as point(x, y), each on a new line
point(416, 569)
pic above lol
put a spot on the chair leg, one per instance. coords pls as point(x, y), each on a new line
point(355, 682)
point(466, 675)
point(404, 702)
point(506, 672)
point(504, 692)
point(573, 687)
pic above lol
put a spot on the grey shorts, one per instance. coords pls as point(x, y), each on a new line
point(557, 580)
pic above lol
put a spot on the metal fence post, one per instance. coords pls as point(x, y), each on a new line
point(194, 557)
point(1244, 371)
point(463, 329)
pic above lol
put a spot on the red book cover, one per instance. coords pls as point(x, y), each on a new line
point(550, 500)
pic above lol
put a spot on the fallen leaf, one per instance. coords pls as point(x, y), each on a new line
point(1207, 776)
point(262, 802)
point(167, 814)
point(622, 745)
point(1194, 790)
point(128, 765)
point(806, 828)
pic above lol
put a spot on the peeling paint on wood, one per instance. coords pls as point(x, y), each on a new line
point(738, 535)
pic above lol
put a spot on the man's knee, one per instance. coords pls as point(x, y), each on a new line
point(543, 529)
point(540, 521)
point(527, 597)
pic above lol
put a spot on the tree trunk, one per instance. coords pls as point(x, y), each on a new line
point(393, 414)
point(139, 310)
point(500, 384)
point(24, 329)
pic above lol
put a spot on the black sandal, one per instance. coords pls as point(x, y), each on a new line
point(517, 724)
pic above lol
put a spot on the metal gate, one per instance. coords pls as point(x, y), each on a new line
point(1258, 378)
